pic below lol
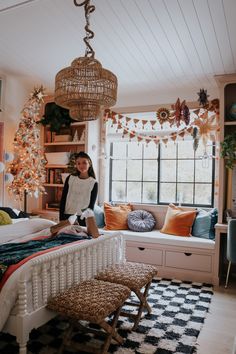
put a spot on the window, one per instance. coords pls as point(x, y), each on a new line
point(161, 174)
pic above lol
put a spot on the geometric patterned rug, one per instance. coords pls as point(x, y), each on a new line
point(178, 313)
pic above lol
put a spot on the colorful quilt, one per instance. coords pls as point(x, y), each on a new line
point(13, 253)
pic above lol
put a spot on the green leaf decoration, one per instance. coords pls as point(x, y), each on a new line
point(56, 117)
point(228, 149)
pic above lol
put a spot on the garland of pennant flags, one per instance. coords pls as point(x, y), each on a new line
point(207, 125)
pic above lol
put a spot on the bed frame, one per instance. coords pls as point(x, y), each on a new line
point(54, 272)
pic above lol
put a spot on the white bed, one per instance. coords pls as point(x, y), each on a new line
point(24, 296)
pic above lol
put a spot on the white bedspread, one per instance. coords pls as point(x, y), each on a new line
point(24, 230)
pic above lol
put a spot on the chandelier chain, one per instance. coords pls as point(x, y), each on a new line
point(89, 52)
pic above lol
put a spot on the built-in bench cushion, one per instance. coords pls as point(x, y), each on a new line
point(155, 236)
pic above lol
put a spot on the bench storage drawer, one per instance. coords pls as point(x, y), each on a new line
point(188, 261)
point(144, 255)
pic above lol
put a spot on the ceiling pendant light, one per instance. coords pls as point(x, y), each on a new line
point(85, 86)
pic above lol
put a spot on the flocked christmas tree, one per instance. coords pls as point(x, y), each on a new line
point(28, 166)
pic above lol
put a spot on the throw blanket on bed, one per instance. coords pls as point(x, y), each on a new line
point(13, 253)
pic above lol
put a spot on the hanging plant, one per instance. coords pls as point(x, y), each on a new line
point(228, 149)
point(56, 117)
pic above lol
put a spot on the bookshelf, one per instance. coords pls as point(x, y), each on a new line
point(227, 88)
point(58, 147)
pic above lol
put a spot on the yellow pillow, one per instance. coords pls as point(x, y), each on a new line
point(116, 216)
point(4, 218)
point(178, 221)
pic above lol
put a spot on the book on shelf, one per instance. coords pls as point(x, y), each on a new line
point(51, 176)
point(58, 194)
point(52, 206)
point(57, 177)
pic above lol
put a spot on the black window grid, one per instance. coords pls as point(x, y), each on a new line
point(176, 182)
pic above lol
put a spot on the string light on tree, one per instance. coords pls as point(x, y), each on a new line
point(28, 166)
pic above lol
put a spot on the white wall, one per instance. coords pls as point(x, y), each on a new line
point(15, 94)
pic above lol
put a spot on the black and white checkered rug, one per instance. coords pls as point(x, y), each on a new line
point(178, 313)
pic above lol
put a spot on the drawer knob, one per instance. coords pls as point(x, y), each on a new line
point(141, 248)
point(187, 254)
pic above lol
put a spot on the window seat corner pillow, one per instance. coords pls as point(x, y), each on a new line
point(99, 216)
point(178, 221)
point(204, 224)
point(141, 221)
point(116, 216)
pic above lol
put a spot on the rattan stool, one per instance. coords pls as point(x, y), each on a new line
point(91, 301)
point(135, 276)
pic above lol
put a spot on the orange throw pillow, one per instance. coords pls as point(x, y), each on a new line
point(116, 216)
point(178, 221)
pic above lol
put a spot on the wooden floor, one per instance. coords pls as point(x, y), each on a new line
point(219, 330)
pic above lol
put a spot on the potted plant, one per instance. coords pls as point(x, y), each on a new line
point(56, 117)
point(228, 149)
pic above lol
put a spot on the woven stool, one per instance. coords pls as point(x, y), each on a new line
point(91, 301)
point(135, 276)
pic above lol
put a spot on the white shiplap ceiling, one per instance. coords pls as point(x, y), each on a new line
point(159, 49)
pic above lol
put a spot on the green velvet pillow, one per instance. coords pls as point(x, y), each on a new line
point(4, 218)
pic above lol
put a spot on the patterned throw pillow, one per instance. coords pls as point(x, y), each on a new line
point(4, 218)
point(141, 220)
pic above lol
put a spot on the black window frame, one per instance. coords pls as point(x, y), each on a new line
point(158, 159)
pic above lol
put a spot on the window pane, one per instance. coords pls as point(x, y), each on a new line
point(185, 149)
point(118, 192)
point(204, 170)
point(168, 151)
point(150, 151)
point(168, 170)
point(149, 170)
point(167, 192)
point(119, 150)
point(134, 170)
point(203, 194)
point(185, 171)
point(185, 177)
point(149, 192)
point(134, 192)
point(134, 150)
point(202, 148)
point(185, 193)
point(119, 170)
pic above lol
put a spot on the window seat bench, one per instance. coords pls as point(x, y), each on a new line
point(177, 257)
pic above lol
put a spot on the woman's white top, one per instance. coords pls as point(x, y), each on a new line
point(79, 194)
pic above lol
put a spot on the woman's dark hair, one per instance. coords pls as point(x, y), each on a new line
point(83, 155)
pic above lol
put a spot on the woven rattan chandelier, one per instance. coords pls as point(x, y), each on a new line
point(85, 86)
